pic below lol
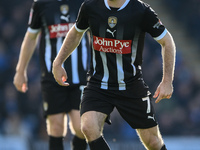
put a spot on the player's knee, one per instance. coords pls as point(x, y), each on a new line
point(86, 129)
point(76, 130)
point(58, 128)
point(154, 144)
point(89, 131)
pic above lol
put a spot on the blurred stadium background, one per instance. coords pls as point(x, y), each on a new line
point(22, 126)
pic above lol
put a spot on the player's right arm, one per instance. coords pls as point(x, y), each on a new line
point(71, 41)
point(26, 52)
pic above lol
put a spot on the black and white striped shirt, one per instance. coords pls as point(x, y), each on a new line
point(118, 39)
point(54, 18)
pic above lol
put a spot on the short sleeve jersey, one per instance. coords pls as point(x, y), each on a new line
point(118, 39)
point(54, 18)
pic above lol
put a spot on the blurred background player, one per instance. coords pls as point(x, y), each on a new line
point(49, 22)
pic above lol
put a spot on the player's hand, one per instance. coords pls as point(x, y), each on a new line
point(60, 75)
point(164, 91)
point(20, 82)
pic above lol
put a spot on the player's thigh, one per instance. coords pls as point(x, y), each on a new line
point(75, 119)
point(95, 108)
point(59, 120)
point(57, 124)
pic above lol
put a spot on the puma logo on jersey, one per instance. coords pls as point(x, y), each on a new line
point(111, 32)
point(151, 117)
point(66, 18)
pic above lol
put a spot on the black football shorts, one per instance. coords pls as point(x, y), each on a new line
point(137, 112)
point(58, 99)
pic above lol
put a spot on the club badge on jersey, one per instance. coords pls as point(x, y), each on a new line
point(64, 9)
point(112, 21)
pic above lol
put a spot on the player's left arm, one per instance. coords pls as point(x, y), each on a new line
point(165, 88)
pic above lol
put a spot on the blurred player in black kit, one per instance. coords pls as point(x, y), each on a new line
point(52, 19)
point(118, 30)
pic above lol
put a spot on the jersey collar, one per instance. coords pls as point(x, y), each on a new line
point(124, 5)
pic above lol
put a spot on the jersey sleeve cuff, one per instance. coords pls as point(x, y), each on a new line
point(33, 30)
point(161, 36)
point(80, 30)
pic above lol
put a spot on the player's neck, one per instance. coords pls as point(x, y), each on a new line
point(116, 3)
